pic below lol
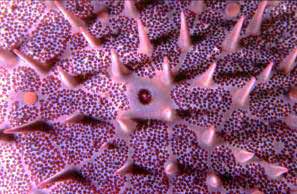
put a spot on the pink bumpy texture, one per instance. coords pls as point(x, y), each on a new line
point(136, 96)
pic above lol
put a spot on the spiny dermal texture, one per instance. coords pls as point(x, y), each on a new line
point(141, 96)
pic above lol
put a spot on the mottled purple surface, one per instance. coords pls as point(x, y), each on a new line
point(98, 147)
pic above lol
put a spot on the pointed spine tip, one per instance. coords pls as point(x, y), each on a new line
point(145, 46)
point(184, 40)
point(274, 171)
point(208, 136)
point(254, 27)
point(67, 174)
point(41, 68)
point(37, 125)
point(206, 79)
point(167, 73)
point(125, 169)
point(266, 73)
point(171, 168)
point(242, 156)
point(90, 38)
point(169, 114)
point(126, 125)
point(75, 118)
point(8, 57)
point(241, 95)
point(118, 70)
point(230, 43)
point(67, 79)
point(11, 131)
point(70, 17)
point(105, 145)
point(108, 145)
point(288, 62)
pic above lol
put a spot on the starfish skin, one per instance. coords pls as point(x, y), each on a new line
point(136, 96)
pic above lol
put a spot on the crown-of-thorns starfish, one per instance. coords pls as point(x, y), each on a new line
point(136, 96)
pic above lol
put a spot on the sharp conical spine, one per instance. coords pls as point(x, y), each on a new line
point(108, 145)
point(37, 125)
point(254, 27)
point(169, 114)
point(75, 118)
point(71, 18)
point(145, 46)
point(91, 39)
point(230, 43)
point(274, 171)
point(288, 63)
point(78, 117)
point(242, 156)
point(118, 70)
point(167, 74)
point(208, 136)
point(171, 168)
point(78, 24)
point(265, 75)
point(241, 95)
point(39, 67)
point(67, 174)
point(127, 125)
point(130, 9)
point(105, 145)
point(125, 169)
point(206, 78)
point(184, 39)
point(7, 57)
point(67, 79)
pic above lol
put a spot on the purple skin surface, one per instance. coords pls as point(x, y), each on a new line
point(173, 96)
